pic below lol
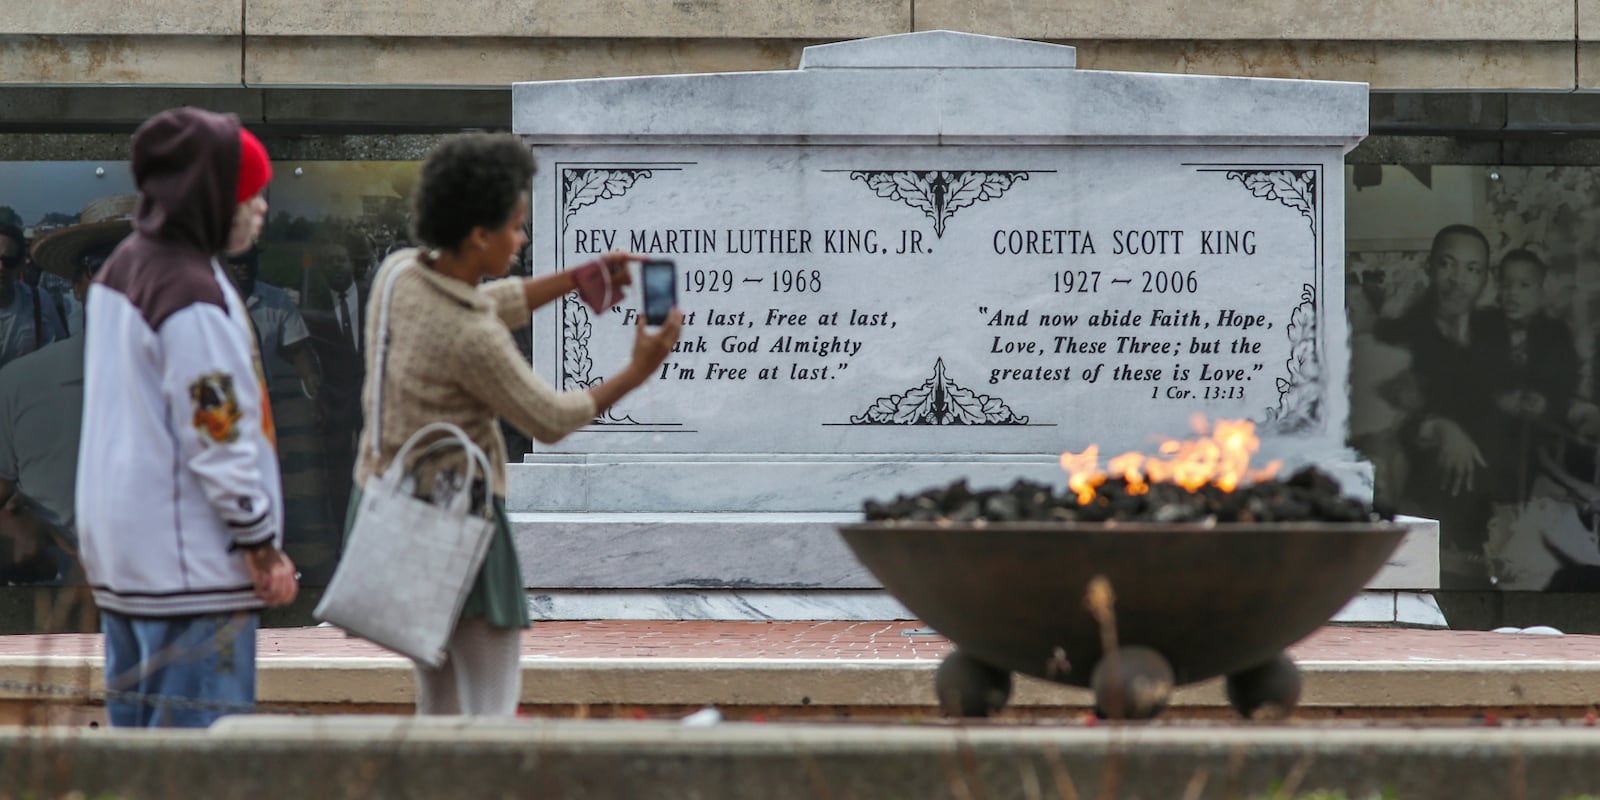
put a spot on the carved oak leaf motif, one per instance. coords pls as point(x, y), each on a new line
point(1300, 393)
point(967, 188)
point(938, 194)
point(575, 362)
point(939, 401)
point(585, 187)
point(1293, 188)
point(907, 187)
point(576, 366)
point(581, 188)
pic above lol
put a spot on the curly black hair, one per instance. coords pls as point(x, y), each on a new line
point(471, 180)
point(14, 233)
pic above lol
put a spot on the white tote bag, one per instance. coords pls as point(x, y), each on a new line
point(408, 564)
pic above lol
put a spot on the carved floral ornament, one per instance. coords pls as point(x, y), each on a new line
point(939, 194)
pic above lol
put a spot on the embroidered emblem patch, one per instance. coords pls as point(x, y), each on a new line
point(216, 408)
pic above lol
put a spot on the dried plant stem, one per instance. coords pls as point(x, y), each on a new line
point(962, 774)
point(819, 782)
point(1111, 782)
point(1296, 776)
point(1028, 780)
point(1235, 772)
point(1101, 601)
point(1197, 784)
point(1518, 776)
point(1065, 789)
point(970, 767)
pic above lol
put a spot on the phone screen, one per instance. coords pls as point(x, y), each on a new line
point(660, 290)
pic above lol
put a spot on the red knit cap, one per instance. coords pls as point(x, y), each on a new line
point(255, 169)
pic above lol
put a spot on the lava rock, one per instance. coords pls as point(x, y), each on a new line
point(1308, 495)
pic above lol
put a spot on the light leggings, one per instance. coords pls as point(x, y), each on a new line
point(480, 676)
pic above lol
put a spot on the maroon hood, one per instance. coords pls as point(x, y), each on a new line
point(186, 165)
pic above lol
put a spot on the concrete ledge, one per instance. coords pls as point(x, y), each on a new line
point(1372, 685)
point(1376, 687)
point(766, 682)
point(1385, 20)
point(494, 61)
point(1384, 65)
point(159, 17)
point(187, 60)
point(498, 61)
point(1588, 65)
point(1537, 45)
point(649, 19)
point(407, 757)
point(1588, 19)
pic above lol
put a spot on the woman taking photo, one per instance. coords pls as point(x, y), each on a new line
point(451, 358)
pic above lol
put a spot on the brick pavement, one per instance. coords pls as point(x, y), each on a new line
point(856, 640)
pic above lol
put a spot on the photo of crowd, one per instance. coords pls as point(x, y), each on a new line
point(1475, 318)
point(305, 284)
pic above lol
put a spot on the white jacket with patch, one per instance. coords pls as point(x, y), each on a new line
point(177, 468)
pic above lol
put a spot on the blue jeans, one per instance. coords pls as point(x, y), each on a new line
point(211, 658)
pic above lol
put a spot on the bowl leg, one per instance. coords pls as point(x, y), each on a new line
point(1134, 682)
point(968, 687)
point(1267, 691)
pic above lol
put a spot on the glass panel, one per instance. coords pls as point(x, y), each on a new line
point(330, 225)
point(306, 284)
point(1474, 300)
point(71, 211)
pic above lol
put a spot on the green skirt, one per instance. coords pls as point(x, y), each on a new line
point(498, 596)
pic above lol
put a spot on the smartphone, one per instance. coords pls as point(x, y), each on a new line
point(660, 289)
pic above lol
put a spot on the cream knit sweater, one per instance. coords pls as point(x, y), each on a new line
point(451, 358)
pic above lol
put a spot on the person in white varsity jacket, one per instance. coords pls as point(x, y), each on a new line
point(179, 503)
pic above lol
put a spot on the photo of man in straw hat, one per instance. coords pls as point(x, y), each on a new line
point(41, 408)
point(63, 252)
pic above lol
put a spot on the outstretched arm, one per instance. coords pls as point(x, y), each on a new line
point(517, 298)
point(494, 370)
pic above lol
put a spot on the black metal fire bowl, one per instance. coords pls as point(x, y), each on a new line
point(1224, 599)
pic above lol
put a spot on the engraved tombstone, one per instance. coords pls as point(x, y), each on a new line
point(916, 258)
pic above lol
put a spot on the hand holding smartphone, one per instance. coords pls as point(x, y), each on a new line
point(660, 278)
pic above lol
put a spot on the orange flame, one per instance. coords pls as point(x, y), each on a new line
point(1218, 456)
point(1084, 471)
point(1127, 467)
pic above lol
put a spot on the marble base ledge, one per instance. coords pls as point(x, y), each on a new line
point(719, 606)
point(687, 483)
point(1411, 609)
point(785, 551)
point(1408, 609)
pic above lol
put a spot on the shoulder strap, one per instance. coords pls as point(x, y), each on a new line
point(382, 356)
